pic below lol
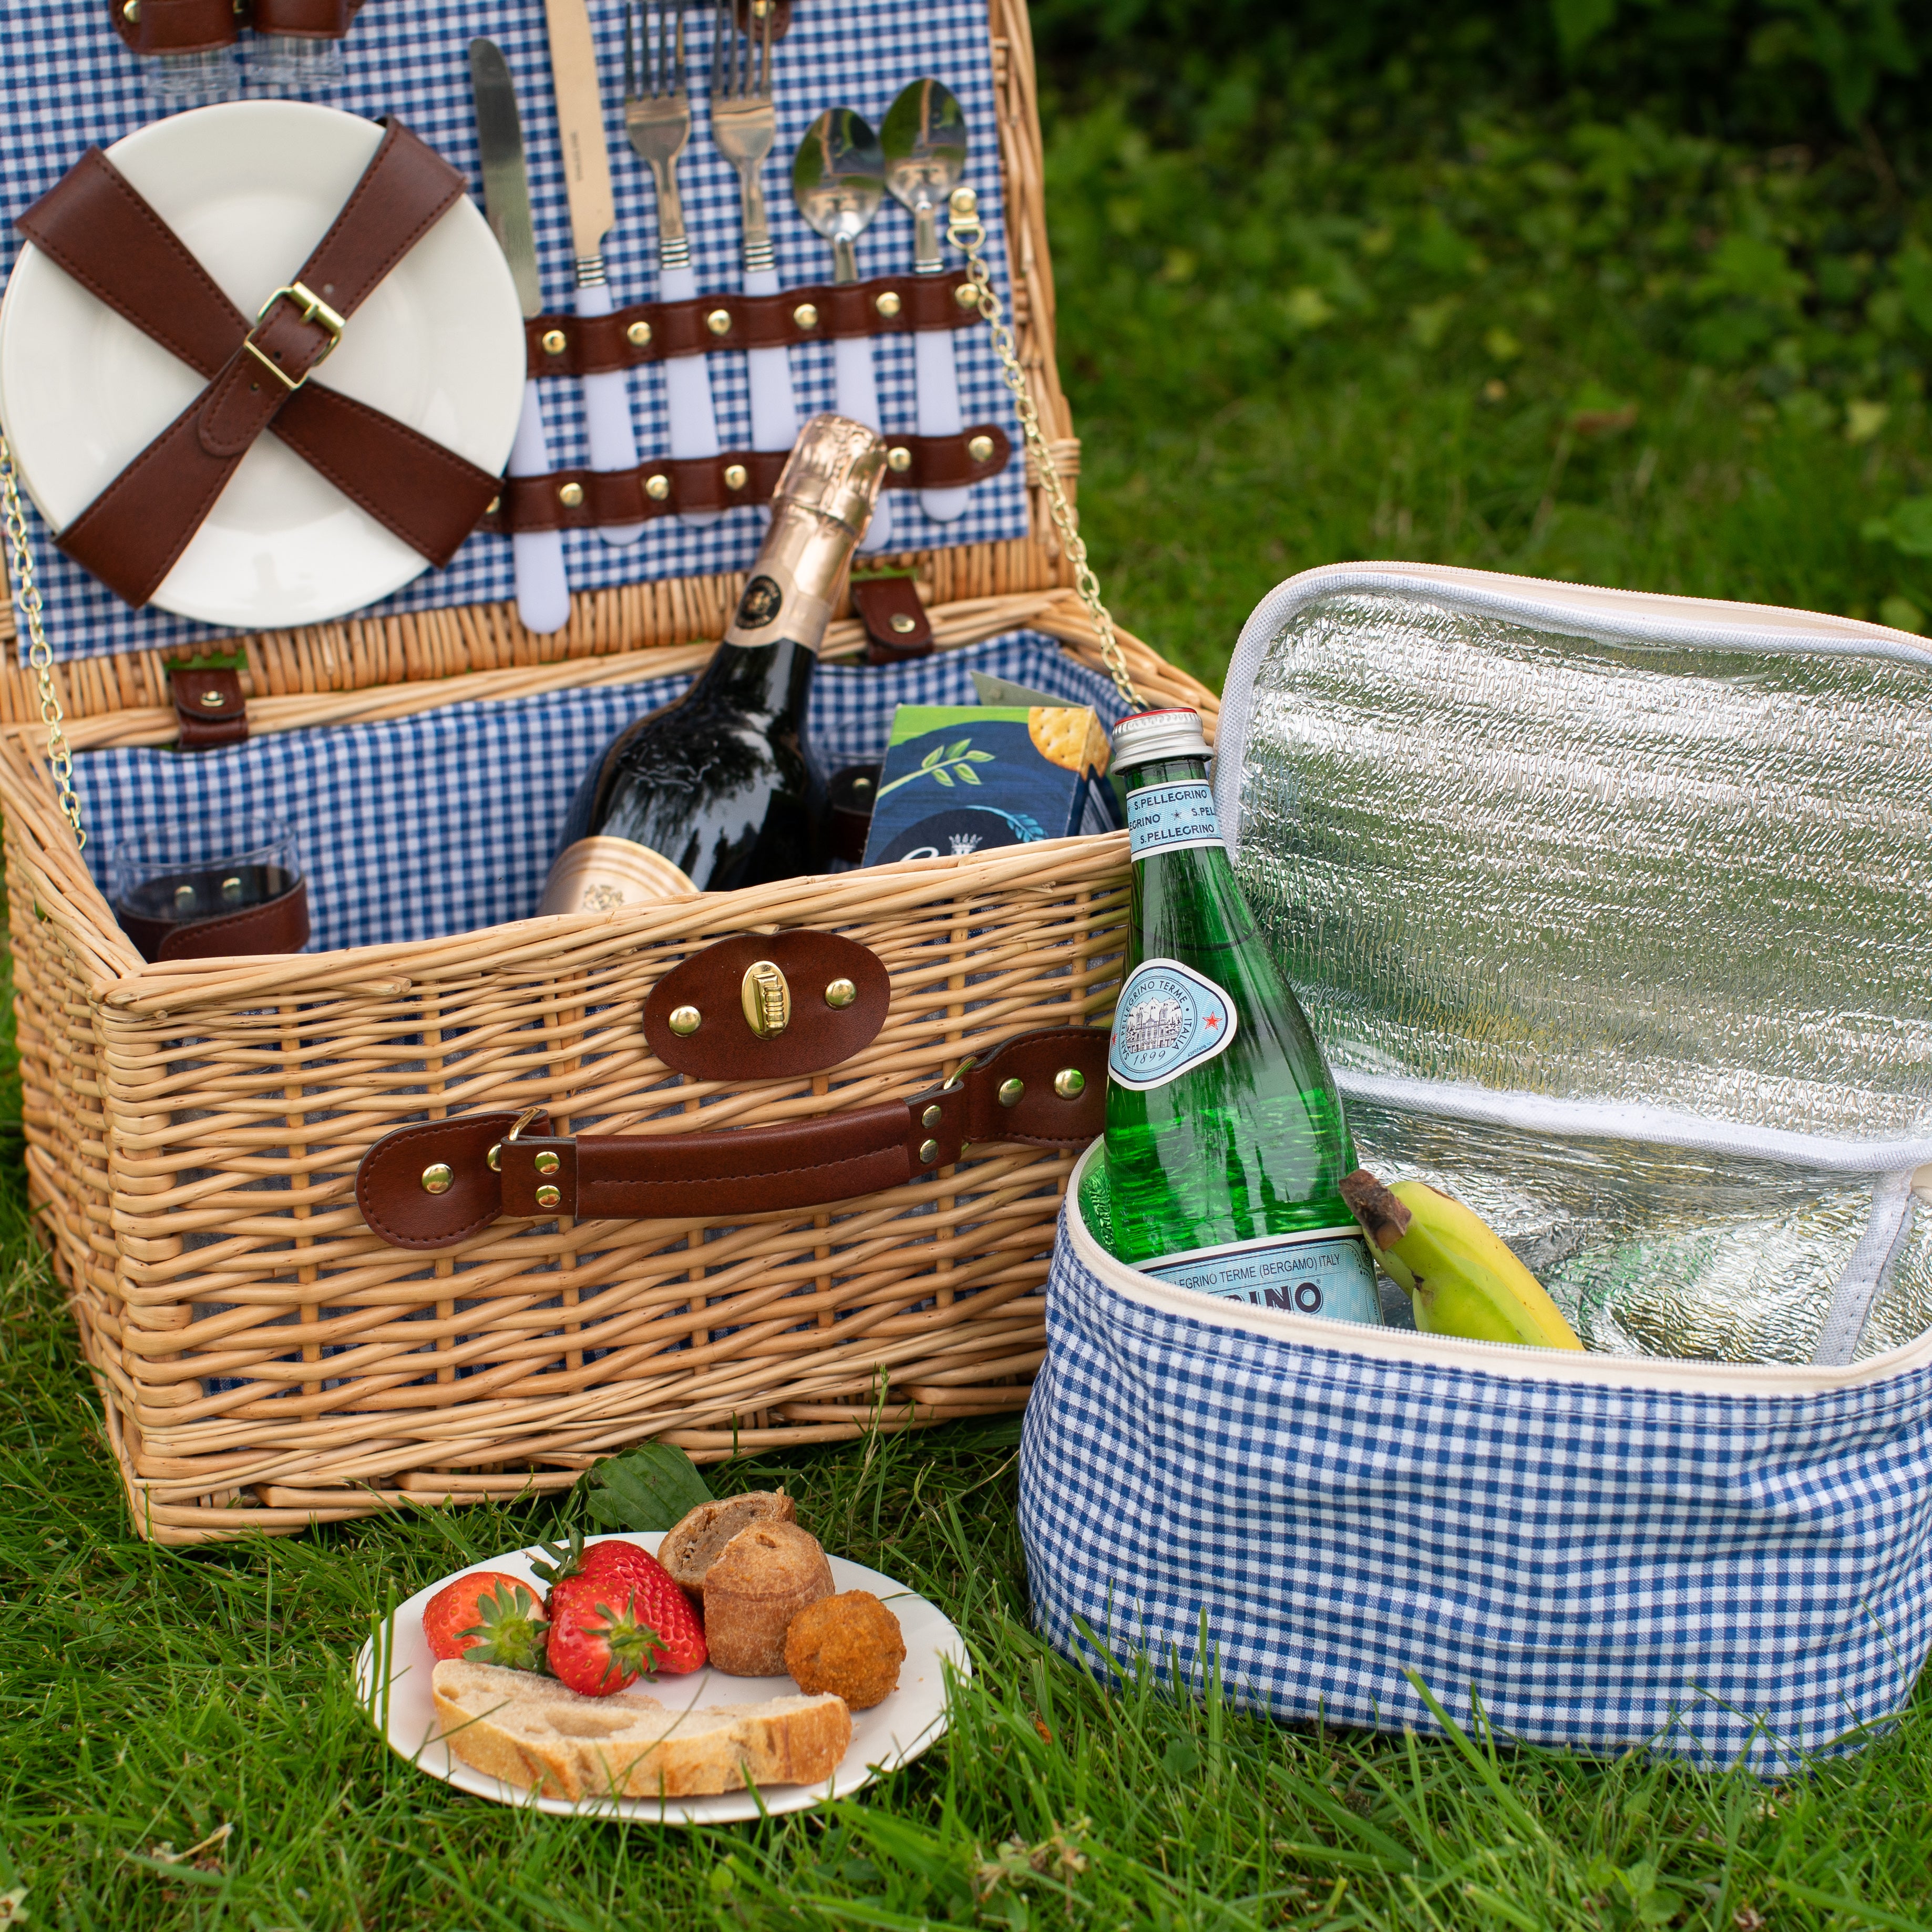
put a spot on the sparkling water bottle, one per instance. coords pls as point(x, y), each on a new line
point(1226, 1145)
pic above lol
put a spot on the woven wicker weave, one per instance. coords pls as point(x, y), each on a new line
point(193, 1129)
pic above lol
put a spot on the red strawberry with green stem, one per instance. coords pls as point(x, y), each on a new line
point(616, 1614)
point(489, 1618)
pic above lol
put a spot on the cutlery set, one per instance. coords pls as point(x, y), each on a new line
point(841, 176)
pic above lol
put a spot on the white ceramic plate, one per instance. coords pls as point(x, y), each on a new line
point(250, 188)
point(889, 1735)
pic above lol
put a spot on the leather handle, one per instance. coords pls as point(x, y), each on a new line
point(1015, 1094)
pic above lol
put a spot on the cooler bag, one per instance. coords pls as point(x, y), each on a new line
point(1609, 911)
point(771, 1241)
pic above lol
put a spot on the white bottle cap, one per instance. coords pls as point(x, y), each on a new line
point(1145, 735)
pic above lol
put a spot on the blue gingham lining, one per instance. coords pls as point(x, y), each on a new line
point(1713, 1576)
point(447, 821)
point(67, 82)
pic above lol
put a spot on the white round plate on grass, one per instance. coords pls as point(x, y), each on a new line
point(251, 188)
point(888, 1736)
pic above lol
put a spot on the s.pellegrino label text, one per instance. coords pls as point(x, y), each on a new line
point(1169, 1017)
point(1324, 1271)
point(1172, 818)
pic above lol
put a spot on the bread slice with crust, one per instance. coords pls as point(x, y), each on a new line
point(530, 1731)
point(690, 1549)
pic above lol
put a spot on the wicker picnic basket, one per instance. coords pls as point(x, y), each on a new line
point(194, 1128)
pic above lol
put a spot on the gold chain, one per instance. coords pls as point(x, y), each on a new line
point(967, 233)
point(40, 653)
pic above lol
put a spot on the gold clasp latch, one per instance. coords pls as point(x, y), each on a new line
point(767, 999)
point(313, 309)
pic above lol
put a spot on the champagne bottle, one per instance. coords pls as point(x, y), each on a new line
point(719, 789)
point(1225, 1145)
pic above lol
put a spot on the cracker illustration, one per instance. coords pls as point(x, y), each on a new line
point(1068, 737)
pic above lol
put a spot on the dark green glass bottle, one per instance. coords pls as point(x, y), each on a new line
point(1225, 1145)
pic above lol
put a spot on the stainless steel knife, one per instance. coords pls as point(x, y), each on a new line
point(543, 591)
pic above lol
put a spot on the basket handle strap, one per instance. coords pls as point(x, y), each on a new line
point(433, 1186)
point(97, 227)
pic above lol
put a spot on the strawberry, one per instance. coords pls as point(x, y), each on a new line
point(617, 1614)
point(489, 1617)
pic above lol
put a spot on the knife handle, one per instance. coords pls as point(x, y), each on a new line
point(606, 414)
point(937, 381)
point(856, 392)
point(774, 411)
point(694, 427)
point(543, 591)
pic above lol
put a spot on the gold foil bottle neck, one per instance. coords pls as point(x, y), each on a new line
point(836, 467)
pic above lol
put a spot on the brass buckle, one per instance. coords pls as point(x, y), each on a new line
point(313, 309)
point(495, 1156)
point(959, 1073)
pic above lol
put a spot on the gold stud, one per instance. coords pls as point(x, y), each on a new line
point(571, 495)
point(841, 993)
point(548, 1197)
point(437, 1177)
point(887, 303)
point(184, 897)
point(898, 459)
point(928, 1152)
point(657, 488)
point(903, 625)
point(496, 504)
point(213, 700)
point(1069, 1083)
point(967, 296)
point(736, 476)
point(555, 341)
point(1010, 1091)
point(231, 887)
point(805, 315)
point(964, 203)
point(685, 1021)
point(931, 1118)
point(638, 335)
point(495, 1156)
point(980, 448)
point(718, 322)
point(132, 10)
point(547, 1163)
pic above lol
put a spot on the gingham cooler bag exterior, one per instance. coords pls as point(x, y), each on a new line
point(1716, 1562)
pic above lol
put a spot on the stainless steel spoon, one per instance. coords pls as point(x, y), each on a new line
point(924, 138)
point(837, 181)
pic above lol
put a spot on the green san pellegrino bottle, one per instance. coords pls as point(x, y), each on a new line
point(1226, 1145)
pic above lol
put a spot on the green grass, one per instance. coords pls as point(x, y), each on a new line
point(1514, 337)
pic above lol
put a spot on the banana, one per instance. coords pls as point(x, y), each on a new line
point(1462, 1278)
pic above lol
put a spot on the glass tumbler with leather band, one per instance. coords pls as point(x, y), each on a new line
point(221, 886)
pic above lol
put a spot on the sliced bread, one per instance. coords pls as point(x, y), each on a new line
point(530, 1731)
point(698, 1542)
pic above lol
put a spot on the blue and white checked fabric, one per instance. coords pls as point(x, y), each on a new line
point(1602, 1562)
point(484, 786)
point(67, 82)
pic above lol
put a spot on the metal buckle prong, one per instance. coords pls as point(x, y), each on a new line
point(313, 309)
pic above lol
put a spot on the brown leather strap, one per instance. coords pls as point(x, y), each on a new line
point(584, 500)
point(407, 1197)
point(896, 626)
point(305, 19)
point(574, 345)
point(277, 925)
point(210, 706)
point(174, 26)
point(100, 230)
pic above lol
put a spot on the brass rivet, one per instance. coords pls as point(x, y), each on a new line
point(928, 1152)
point(964, 203)
point(967, 296)
point(685, 1020)
point(638, 335)
point(657, 488)
point(547, 1163)
point(841, 993)
point(903, 625)
point(736, 476)
point(555, 341)
point(766, 998)
point(805, 315)
point(718, 322)
point(1010, 1091)
point(931, 1118)
point(437, 1177)
point(571, 495)
point(132, 10)
point(213, 700)
point(898, 458)
point(980, 448)
point(1069, 1083)
point(548, 1197)
point(231, 886)
point(496, 504)
point(495, 1156)
point(888, 303)
point(183, 897)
